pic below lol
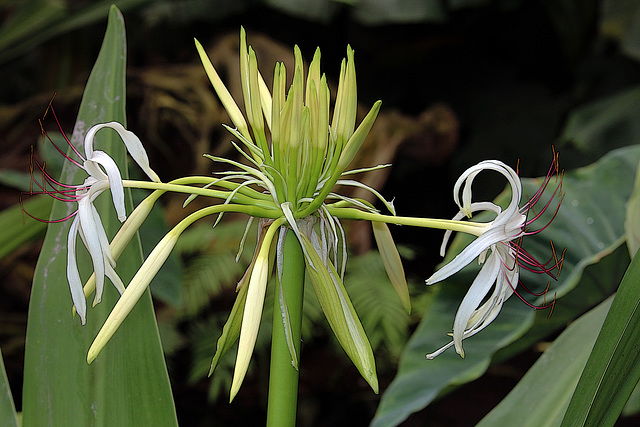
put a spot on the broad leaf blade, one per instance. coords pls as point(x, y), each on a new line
point(128, 384)
point(542, 396)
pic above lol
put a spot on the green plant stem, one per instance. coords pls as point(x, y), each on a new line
point(283, 377)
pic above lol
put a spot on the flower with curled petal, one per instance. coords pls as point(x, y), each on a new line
point(498, 249)
point(103, 175)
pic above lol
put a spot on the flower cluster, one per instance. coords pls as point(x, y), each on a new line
point(296, 153)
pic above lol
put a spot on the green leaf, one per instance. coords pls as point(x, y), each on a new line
point(37, 21)
point(13, 235)
point(613, 369)
point(8, 416)
point(15, 179)
point(605, 124)
point(583, 225)
point(419, 381)
point(128, 384)
point(632, 406)
point(542, 395)
point(632, 219)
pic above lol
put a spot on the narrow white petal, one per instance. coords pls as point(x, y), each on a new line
point(131, 141)
point(115, 180)
point(478, 290)
point(91, 239)
point(439, 351)
point(135, 148)
point(470, 174)
point(94, 171)
point(475, 207)
point(468, 254)
point(102, 237)
point(110, 272)
point(108, 260)
point(88, 140)
point(73, 276)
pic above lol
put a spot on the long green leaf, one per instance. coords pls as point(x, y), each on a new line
point(583, 225)
point(13, 236)
point(128, 384)
point(613, 369)
point(632, 220)
point(541, 398)
point(8, 416)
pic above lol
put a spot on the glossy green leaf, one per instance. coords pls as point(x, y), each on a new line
point(613, 369)
point(543, 394)
point(128, 384)
point(583, 225)
point(8, 416)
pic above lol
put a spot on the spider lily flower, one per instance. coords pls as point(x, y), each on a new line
point(497, 248)
point(103, 175)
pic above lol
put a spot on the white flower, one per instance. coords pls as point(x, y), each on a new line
point(499, 269)
point(103, 175)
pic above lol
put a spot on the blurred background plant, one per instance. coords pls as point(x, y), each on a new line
point(461, 81)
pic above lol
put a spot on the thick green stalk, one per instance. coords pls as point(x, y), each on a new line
point(283, 379)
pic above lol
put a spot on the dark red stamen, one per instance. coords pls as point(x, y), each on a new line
point(48, 221)
point(521, 258)
point(46, 184)
point(46, 135)
point(55, 116)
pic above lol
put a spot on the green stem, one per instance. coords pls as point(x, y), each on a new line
point(245, 195)
point(283, 378)
point(470, 227)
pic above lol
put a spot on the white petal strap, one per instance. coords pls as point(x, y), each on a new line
point(115, 180)
point(131, 141)
point(73, 276)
